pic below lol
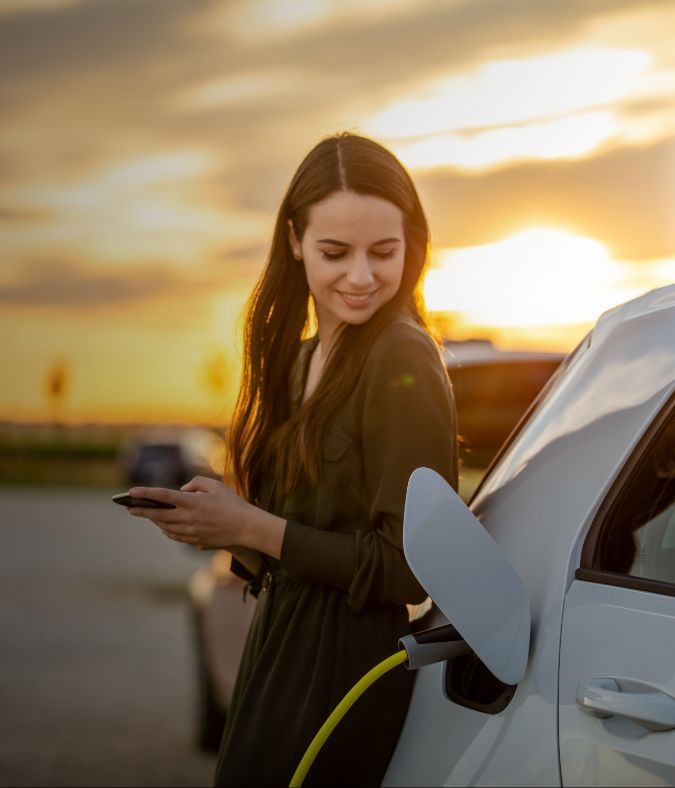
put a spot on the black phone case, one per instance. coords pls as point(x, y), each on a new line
point(124, 499)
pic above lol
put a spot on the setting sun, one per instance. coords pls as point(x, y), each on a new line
point(537, 277)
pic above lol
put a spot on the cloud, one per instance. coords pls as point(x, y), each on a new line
point(151, 48)
point(269, 19)
point(624, 198)
point(140, 209)
point(239, 89)
point(22, 6)
point(13, 213)
point(70, 284)
point(61, 39)
point(89, 84)
point(567, 103)
point(67, 283)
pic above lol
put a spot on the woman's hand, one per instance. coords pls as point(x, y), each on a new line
point(210, 515)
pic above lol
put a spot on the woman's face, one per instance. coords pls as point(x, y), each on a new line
point(353, 251)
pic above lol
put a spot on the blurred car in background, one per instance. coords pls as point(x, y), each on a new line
point(221, 613)
point(170, 457)
point(493, 389)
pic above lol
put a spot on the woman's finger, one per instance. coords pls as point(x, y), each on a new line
point(181, 535)
point(163, 494)
point(184, 538)
point(180, 529)
point(175, 529)
point(200, 484)
point(160, 516)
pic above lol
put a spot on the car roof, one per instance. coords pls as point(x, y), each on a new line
point(653, 301)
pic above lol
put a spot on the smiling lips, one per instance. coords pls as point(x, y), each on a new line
point(357, 299)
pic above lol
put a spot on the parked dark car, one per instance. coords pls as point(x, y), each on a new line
point(171, 457)
point(493, 389)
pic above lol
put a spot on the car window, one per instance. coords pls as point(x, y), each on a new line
point(636, 533)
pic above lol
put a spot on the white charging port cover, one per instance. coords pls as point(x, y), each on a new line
point(467, 575)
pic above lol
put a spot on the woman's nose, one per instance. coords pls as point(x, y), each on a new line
point(359, 273)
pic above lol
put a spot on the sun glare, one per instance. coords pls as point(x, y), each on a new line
point(537, 277)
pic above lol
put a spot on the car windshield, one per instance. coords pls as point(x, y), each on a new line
point(541, 398)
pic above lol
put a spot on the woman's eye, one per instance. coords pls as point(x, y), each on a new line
point(340, 255)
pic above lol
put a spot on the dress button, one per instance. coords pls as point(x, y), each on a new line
point(266, 581)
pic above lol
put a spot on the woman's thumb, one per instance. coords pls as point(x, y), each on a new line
point(195, 485)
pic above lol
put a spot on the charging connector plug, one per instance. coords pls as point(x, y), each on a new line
point(422, 648)
point(433, 645)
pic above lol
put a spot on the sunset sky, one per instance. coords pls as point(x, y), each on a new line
point(145, 146)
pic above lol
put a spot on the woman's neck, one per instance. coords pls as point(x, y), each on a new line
point(327, 336)
point(314, 371)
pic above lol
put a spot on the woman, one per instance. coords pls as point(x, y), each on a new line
point(325, 435)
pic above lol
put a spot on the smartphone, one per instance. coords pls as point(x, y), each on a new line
point(124, 499)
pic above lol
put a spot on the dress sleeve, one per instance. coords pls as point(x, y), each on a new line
point(253, 581)
point(408, 421)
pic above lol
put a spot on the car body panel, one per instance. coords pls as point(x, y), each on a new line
point(537, 502)
point(627, 635)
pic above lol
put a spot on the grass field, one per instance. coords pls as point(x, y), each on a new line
point(59, 459)
point(89, 458)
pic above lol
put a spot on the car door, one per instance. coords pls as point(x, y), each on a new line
point(617, 654)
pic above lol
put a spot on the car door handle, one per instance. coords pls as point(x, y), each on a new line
point(649, 707)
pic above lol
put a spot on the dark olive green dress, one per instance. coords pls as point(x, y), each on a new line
point(333, 606)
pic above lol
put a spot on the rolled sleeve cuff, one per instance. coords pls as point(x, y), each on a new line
point(318, 556)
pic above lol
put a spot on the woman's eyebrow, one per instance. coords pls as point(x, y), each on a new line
point(342, 243)
point(387, 241)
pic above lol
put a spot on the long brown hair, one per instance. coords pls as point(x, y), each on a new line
point(263, 427)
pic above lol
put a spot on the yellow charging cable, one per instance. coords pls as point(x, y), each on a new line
point(339, 712)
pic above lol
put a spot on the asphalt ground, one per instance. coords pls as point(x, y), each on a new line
point(97, 665)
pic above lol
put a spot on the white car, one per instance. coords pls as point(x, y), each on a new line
point(560, 579)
